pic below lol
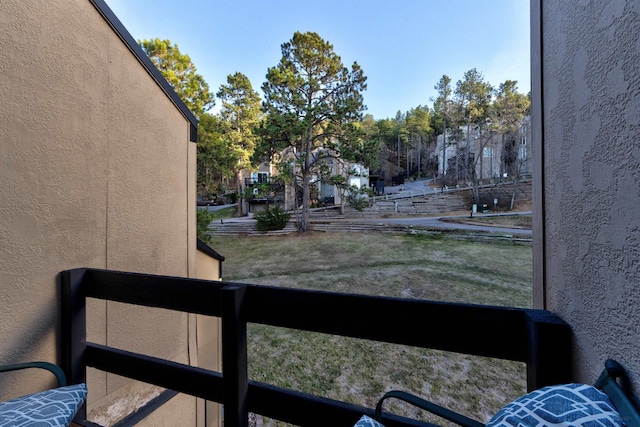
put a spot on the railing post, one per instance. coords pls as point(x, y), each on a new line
point(74, 329)
point(235, 377)
point(550, 350)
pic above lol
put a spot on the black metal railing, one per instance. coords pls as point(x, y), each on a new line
point(536, 337)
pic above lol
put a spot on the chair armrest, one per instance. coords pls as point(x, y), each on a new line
point(607, 382)
point(440, 411)
point(54, 369)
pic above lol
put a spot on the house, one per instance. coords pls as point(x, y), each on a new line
point(506, 154)
point(491, 155)
point(97, 168)
point(355, 175)
point(263, 187)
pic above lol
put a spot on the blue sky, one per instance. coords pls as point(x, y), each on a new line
point(403, 46)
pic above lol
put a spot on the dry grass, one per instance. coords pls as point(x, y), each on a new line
point(412, 266)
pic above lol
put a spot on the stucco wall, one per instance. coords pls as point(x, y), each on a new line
point(590, 196)
point(96, 170)
point(208, 341)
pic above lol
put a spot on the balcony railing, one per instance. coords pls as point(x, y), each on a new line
point(536, 337)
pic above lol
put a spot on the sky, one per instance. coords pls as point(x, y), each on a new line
point(404, 47)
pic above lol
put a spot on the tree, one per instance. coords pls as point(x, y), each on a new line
point(418, 123)
point(376, 138)
point(442, 114)
point(312, 105)
point(240, 114)
point(401, 137)
point(386, 136)
point(474, 97)
point(217, 156)
point(181, 74)
point(510, 107)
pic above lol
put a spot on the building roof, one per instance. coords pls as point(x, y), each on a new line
point(206, 249)
point(135, 48)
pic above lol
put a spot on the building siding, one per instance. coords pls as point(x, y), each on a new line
point(96, 170)
point(588, 182)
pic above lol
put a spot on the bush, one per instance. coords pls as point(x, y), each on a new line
point(272, 219)
point(203, 219)
point(233, 197)
point(358, 198)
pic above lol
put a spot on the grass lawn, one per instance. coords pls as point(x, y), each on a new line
point(408, 266)
point(223, 213)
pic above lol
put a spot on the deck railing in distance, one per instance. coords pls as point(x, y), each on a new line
point(536, 337)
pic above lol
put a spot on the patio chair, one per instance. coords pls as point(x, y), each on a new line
point(54, 407)
point(567, 404)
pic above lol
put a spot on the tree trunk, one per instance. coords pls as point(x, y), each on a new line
point(513, 193)
point(419, 147)
point(306, 183)
point(480, 158)
point(457, 173)
point(306, 195)
point(239, 197)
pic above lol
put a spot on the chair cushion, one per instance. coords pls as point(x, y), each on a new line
point(50, 408)
point(365, 421)
point(562, 405)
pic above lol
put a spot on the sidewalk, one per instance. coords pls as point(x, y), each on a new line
point(418, 185)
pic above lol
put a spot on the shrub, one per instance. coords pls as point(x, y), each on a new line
point(358, 198)
point(203, 219)
point(272, 219)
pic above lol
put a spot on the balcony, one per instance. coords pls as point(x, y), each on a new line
point(536, 337)
point(264, 191)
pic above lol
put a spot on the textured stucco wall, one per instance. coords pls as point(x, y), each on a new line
point(591, 176)
point(208, 341)
point(96, 170)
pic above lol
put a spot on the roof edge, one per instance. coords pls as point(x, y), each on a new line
point(142, 57)
point(206, 249)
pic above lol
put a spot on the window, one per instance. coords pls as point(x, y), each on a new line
point(259, 177)
point(523, 152)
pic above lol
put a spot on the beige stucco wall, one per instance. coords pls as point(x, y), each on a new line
point(208, 341)
point(96, 170)
point(588, 187)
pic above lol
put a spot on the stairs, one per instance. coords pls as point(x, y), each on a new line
point(248, 228)
point(245, 227)
point(436, 204)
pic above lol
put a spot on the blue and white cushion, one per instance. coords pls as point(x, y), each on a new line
point(365, 421)
point(562, 405)
point(51, 408)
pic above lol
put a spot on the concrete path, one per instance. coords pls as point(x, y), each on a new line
point(213, 208)
point(441, 223)
point(415, 186)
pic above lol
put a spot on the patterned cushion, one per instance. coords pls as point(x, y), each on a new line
point(563, 405)
point(365, 421)
point(50, 408)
